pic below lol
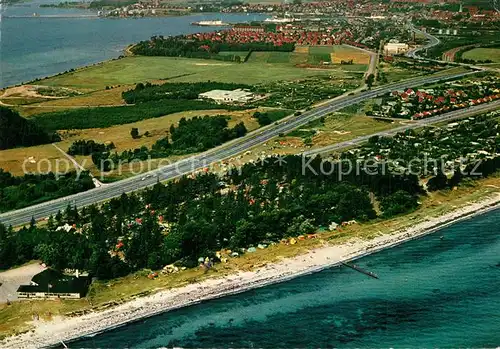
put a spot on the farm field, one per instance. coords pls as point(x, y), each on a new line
point(346, 53)
point(262, 67)
point(483, 54)
point(316, 55)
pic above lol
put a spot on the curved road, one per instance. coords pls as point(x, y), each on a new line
point(433, 41)
point(225, 151)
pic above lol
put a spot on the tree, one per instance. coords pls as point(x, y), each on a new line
point(240, 130)
point(134, 132)
point(16, 131)
point(370, 79)
point(438, 182)
point(397, 203)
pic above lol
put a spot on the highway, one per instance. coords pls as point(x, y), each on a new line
point(200, 161)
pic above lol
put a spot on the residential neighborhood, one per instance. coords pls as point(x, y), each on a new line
point(421, 103)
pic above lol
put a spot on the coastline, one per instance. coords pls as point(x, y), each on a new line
point(315, 260)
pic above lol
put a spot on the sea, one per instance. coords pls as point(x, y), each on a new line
point(55, 40)
point(439, 291)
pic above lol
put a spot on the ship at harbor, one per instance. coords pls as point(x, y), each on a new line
point(217, 23)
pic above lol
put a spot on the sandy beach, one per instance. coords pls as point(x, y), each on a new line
point(64, 330)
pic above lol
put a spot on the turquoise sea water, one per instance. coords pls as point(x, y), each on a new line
point(36, 47)
point(432, 292)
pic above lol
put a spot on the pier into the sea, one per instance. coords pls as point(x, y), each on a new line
point(361, 270)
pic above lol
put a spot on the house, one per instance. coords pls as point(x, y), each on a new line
point(54, 284)
point(248, 28)
point(225, 96)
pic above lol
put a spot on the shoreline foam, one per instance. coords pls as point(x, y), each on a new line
point(67, 330)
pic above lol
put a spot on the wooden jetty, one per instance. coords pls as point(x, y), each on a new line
point(362, 271)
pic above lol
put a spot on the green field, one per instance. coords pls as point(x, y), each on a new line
point(483, 54)
point(131, 70)
point(323, 50)
point(319, 58)
point(317, 55)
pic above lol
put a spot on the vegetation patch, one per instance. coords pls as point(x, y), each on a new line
point(268, 117)
point(190, 136)
point(107, 116)
point(19, 192)
point(15, 131)
point(175, 90)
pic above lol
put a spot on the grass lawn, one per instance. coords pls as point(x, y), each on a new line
point(393, 73)
point(15, 318)
point(44, 157)
point(483, 54)
point(94, 99)
point(131, 70)
point(340, 127)
point(12, 160)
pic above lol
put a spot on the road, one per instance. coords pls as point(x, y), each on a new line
point(450, 116)
point(433, 41)
point(200, 161)
point(75, 163)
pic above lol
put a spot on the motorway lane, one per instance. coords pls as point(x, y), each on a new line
point(225, 151)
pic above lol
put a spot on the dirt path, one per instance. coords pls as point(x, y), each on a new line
point(11, 279)
point(97, 183)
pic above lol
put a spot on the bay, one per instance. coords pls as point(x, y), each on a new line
point(35, 47)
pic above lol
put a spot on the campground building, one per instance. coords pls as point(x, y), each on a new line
point(54, 284)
